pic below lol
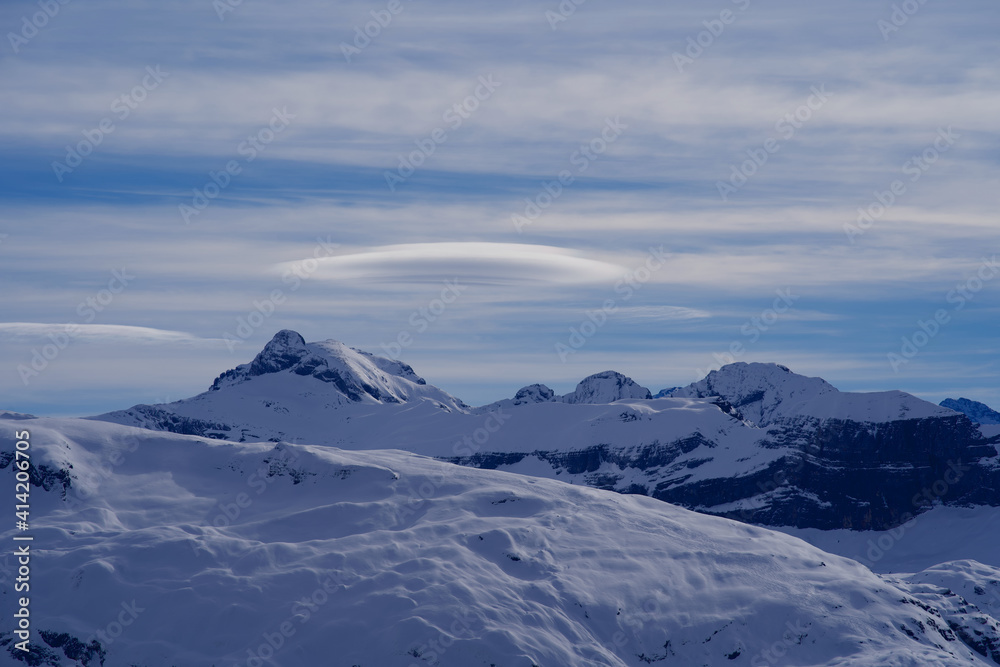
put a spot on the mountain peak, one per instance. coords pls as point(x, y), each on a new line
point(974, 410)
point(757, 390)
point(286, 338)
point(356, 376)
point(283, 351)
point(606, 387)
point(534, 393)
point(767, 393)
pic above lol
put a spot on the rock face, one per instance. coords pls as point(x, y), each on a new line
point(754, 442)
point(863, 461)
point(974, 410)
point(533, 393)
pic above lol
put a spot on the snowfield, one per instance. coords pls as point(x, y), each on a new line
point(168, 549)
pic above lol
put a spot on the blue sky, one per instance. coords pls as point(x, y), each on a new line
point(737, 140)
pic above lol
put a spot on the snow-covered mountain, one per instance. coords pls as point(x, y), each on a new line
point(157, 549)
point(291, 383)
point(767, 394)
point(755, 442)
point(974, 410)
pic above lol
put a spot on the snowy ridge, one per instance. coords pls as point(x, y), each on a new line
point(974, 410)
point(223, 553)
point(769, 393)
point(7, 414)
point(599, 388)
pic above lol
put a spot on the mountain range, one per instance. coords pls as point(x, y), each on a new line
point(754, 442)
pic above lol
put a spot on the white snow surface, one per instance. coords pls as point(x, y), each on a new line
point(389, 559)
point(941, 534)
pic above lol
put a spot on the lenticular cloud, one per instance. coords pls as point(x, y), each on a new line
point(477, 263)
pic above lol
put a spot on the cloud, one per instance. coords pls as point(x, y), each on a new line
point(661, 313)
point(98, 333)
point(480, 263)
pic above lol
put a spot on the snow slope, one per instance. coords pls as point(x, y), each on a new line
point(939, 535)
point(222, 553)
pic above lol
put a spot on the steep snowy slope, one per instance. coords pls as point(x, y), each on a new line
point(158, 549)
point(974, 410)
